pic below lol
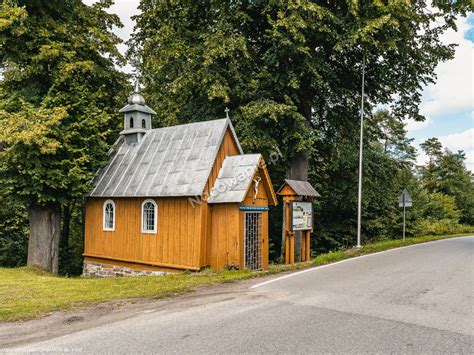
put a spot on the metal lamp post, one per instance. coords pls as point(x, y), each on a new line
point(361, 146)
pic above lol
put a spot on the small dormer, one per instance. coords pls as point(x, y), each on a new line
point(137, 117)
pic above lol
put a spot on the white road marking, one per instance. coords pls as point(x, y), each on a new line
point(315, 268)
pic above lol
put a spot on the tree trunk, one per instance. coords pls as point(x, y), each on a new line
point(299, 166)
point(45, 232)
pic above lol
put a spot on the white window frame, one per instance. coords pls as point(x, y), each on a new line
point(155, 221)
point(104, 227)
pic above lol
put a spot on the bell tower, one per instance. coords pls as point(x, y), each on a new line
point(137, 117)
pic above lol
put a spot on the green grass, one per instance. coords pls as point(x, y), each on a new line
point(28, 293)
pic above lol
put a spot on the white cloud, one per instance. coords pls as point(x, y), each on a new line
point(421, 158)
point(470, 161)
point(453, 92)
point(459, 141)
point(412, 125)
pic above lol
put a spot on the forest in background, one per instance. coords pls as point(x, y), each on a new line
point(290, 71)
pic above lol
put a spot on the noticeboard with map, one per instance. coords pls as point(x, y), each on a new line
point(301, 216)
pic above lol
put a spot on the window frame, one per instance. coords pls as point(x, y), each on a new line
point(104, 227)
point(155, 217)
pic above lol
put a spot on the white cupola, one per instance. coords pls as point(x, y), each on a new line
point(137, 117)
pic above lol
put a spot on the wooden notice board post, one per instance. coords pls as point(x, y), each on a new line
point(297, 216)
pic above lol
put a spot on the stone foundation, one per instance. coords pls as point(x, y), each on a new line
point(95, 269)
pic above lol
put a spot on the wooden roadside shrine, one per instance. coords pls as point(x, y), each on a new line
point(297, 216)
point(182, 197)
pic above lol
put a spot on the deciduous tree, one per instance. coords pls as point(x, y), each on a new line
point(59, 94)
point(290, 71)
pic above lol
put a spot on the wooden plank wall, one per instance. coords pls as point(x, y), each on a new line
point(176, 243)
point(228, 148)
point(261, 201)
point(225, 235)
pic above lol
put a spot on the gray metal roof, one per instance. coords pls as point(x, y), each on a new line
point(137, 107)
point(170, 161)
point(302, 188)
point(234, 178)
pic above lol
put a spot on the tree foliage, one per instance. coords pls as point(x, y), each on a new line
point(59, 94)
point(446, 173)
point(290, 71)
point(278, 64)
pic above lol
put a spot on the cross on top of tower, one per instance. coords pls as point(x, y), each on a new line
point(137, 86)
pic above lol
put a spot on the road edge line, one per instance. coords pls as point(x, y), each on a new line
point(318, 267)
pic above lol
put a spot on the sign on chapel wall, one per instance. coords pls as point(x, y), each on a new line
point(301, 216)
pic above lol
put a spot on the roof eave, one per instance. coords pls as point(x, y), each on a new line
point(272, 196)
point(139, 108)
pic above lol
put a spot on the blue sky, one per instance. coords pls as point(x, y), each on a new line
point(469, 35)
point(447, 105)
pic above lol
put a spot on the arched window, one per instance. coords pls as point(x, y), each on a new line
point(149, 216)
point(131, 122)
point(143, 123)
point(109, 215)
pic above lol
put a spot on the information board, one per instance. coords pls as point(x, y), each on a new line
point(301, 216)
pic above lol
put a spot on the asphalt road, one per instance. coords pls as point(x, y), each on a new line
point(417, 299)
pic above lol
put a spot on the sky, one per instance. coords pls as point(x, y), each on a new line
point(447, 104)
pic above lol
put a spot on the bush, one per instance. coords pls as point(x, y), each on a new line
point(13, 234)
point(442, 226)
point(441, 206)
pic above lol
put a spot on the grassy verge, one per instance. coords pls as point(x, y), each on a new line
point(26, 293)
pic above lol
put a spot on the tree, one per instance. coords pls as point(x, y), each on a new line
point(59, 94)
point(389, 159)
point(446, 173)
point(290, 69)
point(441, 206)
point(433, 149)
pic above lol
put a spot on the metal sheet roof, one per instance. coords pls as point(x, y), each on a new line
point(234, 178)
point(170, 161)
point(302, 188)
point(136, 107)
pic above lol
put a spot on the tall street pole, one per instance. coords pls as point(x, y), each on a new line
point(361, 146)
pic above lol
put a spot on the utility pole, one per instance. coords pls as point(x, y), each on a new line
point(361, 148)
